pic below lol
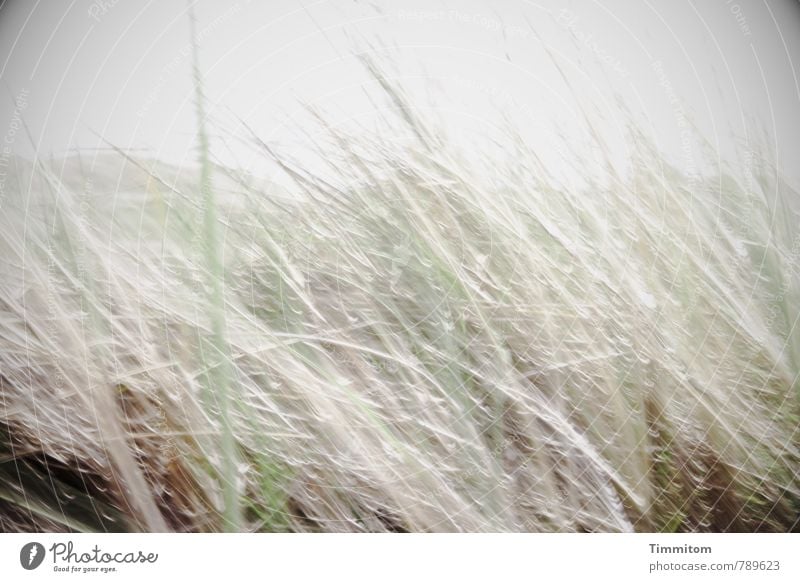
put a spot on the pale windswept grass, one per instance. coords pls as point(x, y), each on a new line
point(409, 346)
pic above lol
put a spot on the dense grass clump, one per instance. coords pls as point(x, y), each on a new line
point(408, 346)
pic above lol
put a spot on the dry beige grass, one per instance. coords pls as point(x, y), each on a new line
point(409, 347)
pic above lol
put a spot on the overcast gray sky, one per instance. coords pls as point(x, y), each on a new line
point(121, 70)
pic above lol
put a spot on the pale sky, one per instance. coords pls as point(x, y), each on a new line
point(121, 70)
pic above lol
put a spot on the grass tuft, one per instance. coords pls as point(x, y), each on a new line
point(398, 344)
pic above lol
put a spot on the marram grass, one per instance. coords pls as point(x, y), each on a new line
point(413, 347)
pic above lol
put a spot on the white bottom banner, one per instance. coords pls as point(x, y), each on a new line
point(495, 557)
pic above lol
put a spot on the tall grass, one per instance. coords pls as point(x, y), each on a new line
point(414, 347)
point(219, 377)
